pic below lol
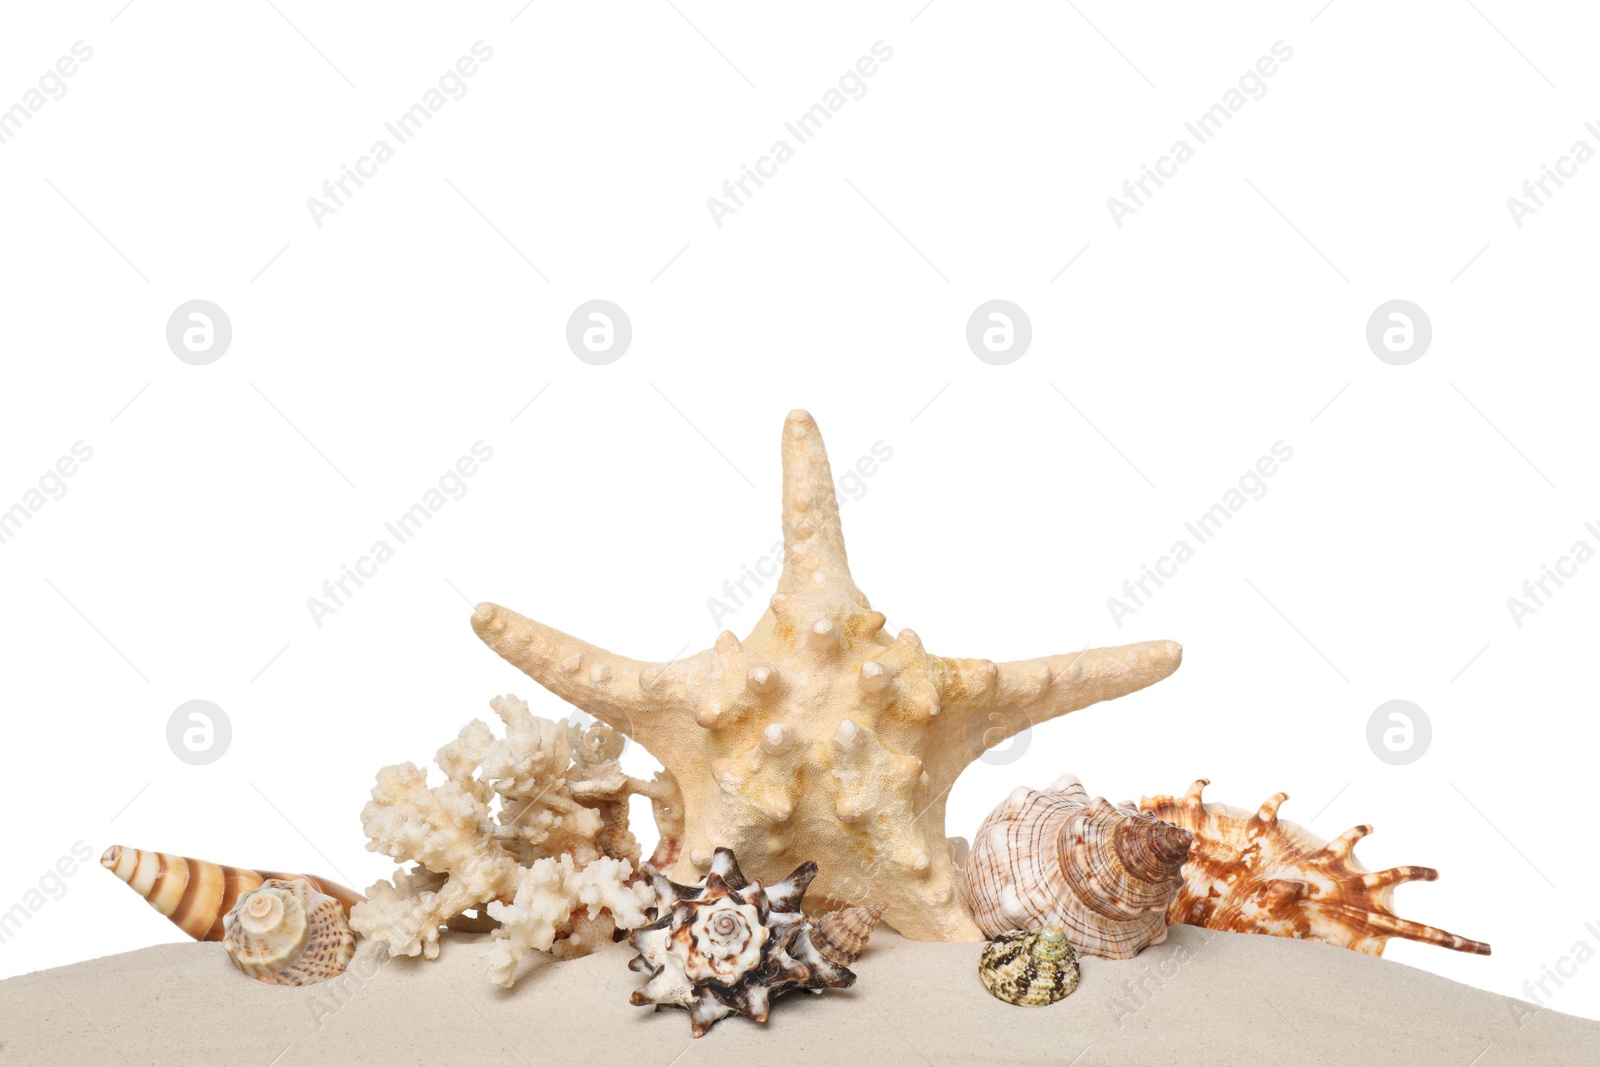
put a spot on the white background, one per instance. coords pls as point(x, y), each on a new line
point(1226, 315)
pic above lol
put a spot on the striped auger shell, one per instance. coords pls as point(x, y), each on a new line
point(197, 894)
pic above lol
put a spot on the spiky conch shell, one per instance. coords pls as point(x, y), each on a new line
point(730, 945)
point(197, 894)
point(1259, 874)
point(1104, 874)
point(286, 932)
point(1029, 968)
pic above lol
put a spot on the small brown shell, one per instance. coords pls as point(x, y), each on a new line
point(196, 894)
point(1104, 874)
point(1258, 874)
point(842, 936)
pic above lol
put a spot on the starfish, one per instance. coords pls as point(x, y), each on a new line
point(822, 736)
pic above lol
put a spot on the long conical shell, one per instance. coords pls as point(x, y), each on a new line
point(286, 932)
point(1251, 872)
point(196, 894)
point(1104, 874)
point(842, 935)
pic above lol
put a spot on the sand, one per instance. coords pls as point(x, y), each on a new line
point(1200, 998)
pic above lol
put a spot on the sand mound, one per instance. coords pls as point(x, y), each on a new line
point(1200, 998)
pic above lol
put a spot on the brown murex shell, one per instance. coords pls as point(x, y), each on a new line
point(1104, 874)
point(1256, 873)
point(197, 894)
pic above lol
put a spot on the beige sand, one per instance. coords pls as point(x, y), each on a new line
point(1226, 999)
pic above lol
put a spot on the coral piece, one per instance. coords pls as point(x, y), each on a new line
point(842, 935)
point(197, 894)
point(287, 932)
point(1029, 968)
point(1258, 874)
point(564, 909)
point(530, 830)
point(729, 945)
point(1104, 874)
point(822, 734)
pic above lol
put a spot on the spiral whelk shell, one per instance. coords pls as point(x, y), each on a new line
point(197, 894)
point(729, 945)
point(1256, 873)
point(842, 935)
point(286, 932)
point(1029, 968)
point(1102, 873)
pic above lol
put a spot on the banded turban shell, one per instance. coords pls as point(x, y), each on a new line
point(1104, 874)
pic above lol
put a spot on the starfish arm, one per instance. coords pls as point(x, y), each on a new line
point(634, 696)
point(998, 700)
point(813, 539)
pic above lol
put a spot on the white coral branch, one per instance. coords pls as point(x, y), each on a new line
point(531, 829)
point(554, 897)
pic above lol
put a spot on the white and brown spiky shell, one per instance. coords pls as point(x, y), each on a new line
point(287, 932)
point(197, 894)
point(1257, 873)
point(1104, 874)
point(729, 945)
point(1030, 968)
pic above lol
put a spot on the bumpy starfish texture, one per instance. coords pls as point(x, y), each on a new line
point(822, 736)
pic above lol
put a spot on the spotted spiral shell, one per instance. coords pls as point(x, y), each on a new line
point(286, 932)
point(1029, 968)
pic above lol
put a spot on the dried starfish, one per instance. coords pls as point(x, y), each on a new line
point(821, 737)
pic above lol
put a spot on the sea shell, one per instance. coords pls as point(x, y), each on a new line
point(286, 932)
point(730, 945)
point(1104, 874)
point(1029, 968)
point(197, 894)
point(842, 935)
point(1257, 874)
